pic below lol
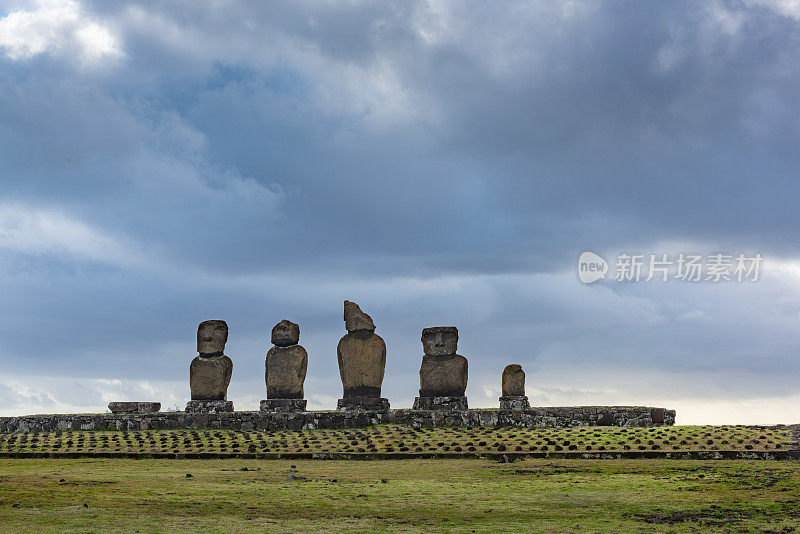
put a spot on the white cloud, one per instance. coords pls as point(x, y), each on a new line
point(744, 411)
point(56, 26)
point(787, 8)
point(23, 395)
point(43, 231)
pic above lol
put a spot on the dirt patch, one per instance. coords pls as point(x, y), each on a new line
point(546, 469)
point(721, 516)
point(713, 516)
point(87, 482)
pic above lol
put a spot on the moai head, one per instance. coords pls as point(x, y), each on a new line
point(355, 319)
point(211, 336)
point(440, 340)
point(285, 333)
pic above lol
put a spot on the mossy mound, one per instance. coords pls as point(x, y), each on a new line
point(393, 439)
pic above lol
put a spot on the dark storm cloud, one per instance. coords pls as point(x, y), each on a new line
point(514, 126)
point(445, 163)
point(511, 128)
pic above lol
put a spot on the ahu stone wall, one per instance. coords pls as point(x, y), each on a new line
point(555, 417)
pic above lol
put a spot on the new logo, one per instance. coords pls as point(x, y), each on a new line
point(591, 267)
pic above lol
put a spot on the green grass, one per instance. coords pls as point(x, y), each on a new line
point(399, 439)
point(474, 495)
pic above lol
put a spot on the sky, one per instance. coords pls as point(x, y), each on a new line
point(439, 163)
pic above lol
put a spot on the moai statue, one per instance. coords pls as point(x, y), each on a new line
point(443, 374)
point(362, 361)
point(514, 389)
point(285, 370)
point(210, 371)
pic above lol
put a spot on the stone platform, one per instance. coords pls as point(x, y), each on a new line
point(554, 417)
point(209, 406)
point(514, 402)
point(441, 403)
point(134, 407)
point(363, 404)
point(283, 405)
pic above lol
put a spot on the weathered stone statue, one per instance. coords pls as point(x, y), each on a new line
point(210, 371)
point(514, 389)
point(362, 361)
point(443, 374)
point(285, 370)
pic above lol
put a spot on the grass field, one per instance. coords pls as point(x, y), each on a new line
point(126, 495)
point(399, 439)
point(410, 495)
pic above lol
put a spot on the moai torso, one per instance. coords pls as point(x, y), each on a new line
point(362, 362)
point(209, 377)
point(285, 372)
point(513, 381)
point(443, 376)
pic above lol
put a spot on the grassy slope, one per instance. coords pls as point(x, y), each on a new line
point(398, 439)
point(418, 495)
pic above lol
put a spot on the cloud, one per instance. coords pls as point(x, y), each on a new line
point(439, 163)
point(38, 231)
point(788, 8)
point(19, 396)
point(56, 26)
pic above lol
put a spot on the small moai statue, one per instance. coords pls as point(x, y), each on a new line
point(285, 370)
point(443, 374)
point(514, 389)
point(210, 371)
point(362, 361)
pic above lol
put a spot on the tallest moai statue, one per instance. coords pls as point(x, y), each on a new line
point(362, 361)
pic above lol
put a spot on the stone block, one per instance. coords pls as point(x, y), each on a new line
point(514, 402)
point(363, 404)
point(657, 415)
point(283, 405)
point(134, 407)
point(209, 406)
point(441, 403)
